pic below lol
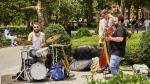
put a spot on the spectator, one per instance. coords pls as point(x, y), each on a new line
point(8, 35)
point(146, 24)
point(126, 22)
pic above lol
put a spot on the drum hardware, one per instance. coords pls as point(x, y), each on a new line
point(63, 60)
point(25, 68)
point(42, 54)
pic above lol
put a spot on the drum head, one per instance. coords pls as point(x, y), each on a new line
point(38, 71)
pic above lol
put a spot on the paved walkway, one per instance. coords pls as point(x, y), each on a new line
point(10, 62)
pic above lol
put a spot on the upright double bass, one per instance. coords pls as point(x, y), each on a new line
point(104, 49)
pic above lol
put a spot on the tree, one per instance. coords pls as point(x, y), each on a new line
point(8, 11)
point(41, 10)
point(122, 7)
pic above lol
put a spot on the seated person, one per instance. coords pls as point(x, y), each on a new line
point(37, 39)
point(9, 36)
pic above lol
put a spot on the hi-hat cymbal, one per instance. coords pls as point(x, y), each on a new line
point(53, 38)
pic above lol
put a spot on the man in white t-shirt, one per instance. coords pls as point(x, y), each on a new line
point(37, 38)
point(126, 22)
point(146, 23)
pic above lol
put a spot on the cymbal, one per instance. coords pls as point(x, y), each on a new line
point(53, 38)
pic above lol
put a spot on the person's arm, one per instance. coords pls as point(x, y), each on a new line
point(30, 37)
point(119, 38)
point(43, 40)
point(116, 39)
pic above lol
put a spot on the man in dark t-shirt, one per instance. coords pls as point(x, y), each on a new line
point(117, 45)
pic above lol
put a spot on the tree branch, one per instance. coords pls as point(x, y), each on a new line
point(30, 7)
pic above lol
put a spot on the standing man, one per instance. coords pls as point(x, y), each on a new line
point(126, 22)
point(37, 38)
point(146, 23)
point(117, 45)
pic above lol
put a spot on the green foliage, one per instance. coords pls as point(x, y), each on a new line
point(132, 49)
point(4, 41)
point(121, 78)
point(20, 31)
point(83, 32)
point(54, 29)
point(145, 48)
point(84, 41)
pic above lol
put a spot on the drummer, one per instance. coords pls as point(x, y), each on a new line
point(37, 38)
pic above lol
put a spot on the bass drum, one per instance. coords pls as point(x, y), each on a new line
point(38, 71)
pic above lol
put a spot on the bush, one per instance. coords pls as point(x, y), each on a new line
point(121, 78)
point(132, 49)
point(144, 55)
point(54, 29)
point(83, 32)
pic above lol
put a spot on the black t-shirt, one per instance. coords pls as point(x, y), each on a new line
point(118, 48)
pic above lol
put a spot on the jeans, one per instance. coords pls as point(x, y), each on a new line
point(114, 63)
point(32, 53)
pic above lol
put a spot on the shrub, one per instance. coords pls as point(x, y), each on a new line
point(132, 49)
point(144, 55)
point(83, 32)
point(54, 29)
point(121, 78)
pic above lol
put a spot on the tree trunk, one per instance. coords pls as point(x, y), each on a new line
point(42, 13)
point(122, 7)
point(89, 11)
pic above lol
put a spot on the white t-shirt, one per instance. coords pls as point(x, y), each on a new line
point(126, 22)
point(102, 26)
point(146, 23)
point(36, 40)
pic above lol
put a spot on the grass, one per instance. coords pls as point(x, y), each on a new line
point(91, 40)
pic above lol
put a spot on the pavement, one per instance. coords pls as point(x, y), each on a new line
point(10, 63)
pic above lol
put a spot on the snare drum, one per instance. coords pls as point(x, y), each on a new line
point(38, 71)
point(42, 54)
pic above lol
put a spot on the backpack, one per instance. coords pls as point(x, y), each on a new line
point(57, 72)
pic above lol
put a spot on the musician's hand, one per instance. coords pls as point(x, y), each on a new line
point(109, 38)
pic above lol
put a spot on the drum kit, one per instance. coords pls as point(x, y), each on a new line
point(38, 71)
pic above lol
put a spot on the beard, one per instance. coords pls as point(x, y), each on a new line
point(36, 31)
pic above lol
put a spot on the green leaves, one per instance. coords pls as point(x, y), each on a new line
point(145, 48)
point(121, 78)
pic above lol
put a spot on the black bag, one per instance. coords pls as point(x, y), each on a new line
point(80, 65)
point(84, 52)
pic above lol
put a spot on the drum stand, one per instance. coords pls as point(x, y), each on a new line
point(63, 60)
point(25, 69)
